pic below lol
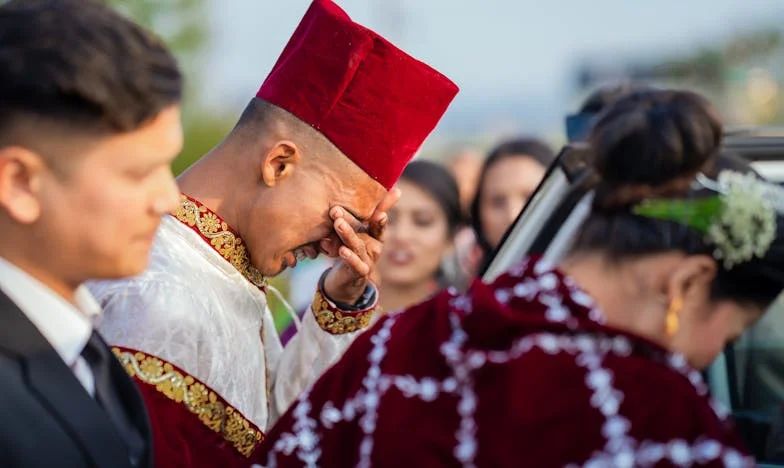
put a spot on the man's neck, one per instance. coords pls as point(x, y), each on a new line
point(206, 181)
point(61, 286)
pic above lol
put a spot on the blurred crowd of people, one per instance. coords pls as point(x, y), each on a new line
point(451, 217)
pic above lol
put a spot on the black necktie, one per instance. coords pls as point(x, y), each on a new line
point(98, 356)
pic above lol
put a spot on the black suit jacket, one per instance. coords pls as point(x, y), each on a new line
point(47, 418)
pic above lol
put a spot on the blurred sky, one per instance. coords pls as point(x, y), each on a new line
point(515, 60)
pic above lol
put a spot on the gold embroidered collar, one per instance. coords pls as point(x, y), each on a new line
point(221, 237)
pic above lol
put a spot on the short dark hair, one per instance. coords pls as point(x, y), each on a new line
point(522, 147)
point(441, 185)
point(81, 64)
point(262, 118)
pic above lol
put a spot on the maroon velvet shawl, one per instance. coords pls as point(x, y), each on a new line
point(520, 373)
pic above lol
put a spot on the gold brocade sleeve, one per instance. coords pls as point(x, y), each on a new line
point(336, 321)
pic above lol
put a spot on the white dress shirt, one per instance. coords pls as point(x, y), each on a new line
point(67, 327)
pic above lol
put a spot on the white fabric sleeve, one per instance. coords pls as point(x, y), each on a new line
point(306, 356)
point(158, 318)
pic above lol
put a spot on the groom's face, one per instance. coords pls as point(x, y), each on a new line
point(292, 219)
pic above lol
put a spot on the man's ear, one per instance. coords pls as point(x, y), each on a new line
point(280, 162)
point(691, 279)
point(20, 183)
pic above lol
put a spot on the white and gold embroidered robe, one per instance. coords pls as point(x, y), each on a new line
point(193, 308)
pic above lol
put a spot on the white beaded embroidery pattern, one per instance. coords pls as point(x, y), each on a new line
point(589, 351)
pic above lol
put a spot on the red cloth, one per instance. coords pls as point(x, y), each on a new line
point(373, 101)
point(518, 373)
point(204, 433)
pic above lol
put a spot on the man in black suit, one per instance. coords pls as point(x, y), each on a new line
point(89, 124)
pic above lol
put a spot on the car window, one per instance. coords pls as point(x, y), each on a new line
point(755, 383)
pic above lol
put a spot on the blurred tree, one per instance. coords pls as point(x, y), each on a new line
point(742, 74)
point(202, 132)
point(184, 26)
point(181, 23)
point(711, 64)
point(707, 65)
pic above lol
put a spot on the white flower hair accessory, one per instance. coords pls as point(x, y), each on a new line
point(740, 220)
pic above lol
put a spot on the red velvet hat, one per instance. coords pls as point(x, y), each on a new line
point(373, 101)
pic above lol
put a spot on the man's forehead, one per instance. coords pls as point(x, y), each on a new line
point(362, 203)
point(362, 211)
point(362, 218)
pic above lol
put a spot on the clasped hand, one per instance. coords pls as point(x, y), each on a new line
point(358, 247)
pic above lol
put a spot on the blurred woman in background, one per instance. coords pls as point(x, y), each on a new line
point(509, 177)
point(419, 235)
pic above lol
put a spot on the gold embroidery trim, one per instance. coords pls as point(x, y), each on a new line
point(337, 322)
point(204, 403)
point(220, 237)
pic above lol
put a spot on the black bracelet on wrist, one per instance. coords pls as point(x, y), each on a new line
point(367, 299)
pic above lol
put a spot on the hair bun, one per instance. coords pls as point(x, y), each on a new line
point(649, 142)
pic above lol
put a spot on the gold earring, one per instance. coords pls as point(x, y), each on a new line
point(672, 320)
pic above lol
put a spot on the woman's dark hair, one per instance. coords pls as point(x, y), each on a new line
point(578, 125)
point(441, 185)
point(652, 144)
point(605, 96)
point(523, 147)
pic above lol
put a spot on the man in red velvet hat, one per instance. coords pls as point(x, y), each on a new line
point(308, 169)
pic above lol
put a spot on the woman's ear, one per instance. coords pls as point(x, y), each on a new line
point(691, 280)
point(280, 162)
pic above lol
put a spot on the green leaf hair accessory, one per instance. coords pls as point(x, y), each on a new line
point(740, 221)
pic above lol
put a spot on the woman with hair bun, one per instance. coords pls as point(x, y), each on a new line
point(593, 362)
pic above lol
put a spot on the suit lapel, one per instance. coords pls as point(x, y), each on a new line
point(133, 403)
point(53, 383)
